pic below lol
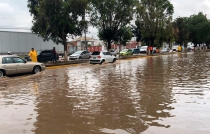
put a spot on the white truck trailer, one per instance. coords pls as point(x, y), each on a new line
point(22, 42)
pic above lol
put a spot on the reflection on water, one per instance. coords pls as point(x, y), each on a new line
point(165, 94)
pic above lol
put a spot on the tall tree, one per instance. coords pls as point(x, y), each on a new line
point(199, 27)
point(110, 16)
point(54, 19)
point(181, 30)
point(169, 34)
point(152, 15)
point(136, 29)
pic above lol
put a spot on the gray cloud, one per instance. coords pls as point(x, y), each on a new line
point(186, 8)
point(14, 13)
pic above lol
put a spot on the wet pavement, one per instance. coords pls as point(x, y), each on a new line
point(167, 94)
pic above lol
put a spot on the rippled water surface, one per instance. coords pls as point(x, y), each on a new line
point(157, 95)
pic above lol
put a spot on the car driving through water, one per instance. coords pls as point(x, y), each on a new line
point(101, 57)
point(12, 64)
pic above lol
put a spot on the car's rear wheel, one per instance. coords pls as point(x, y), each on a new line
point(114, 60)
point(36, 69)
point(102, 61)
point(2, 73)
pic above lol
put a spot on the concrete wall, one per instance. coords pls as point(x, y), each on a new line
point(20, 42)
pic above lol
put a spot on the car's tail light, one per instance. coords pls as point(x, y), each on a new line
point(99, 56)
point(89, 56)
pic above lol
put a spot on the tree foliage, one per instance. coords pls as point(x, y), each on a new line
point(136, 29)
point(181, 30)
point(54, 19)
point(153, 17)
point(110, 16)
point(199, 27)
point(124, 35)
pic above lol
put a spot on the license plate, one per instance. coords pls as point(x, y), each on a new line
point(94, 57)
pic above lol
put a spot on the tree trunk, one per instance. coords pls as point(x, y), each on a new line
point(109, 45)
point(65, 52)
point(65, 49)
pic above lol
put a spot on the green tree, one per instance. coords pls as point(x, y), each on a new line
point(169, 34)
point(124, 35)
point(181, 30)
point(199, 27)
point(136, 29)
point(153, 16)
point(54, 19)
point(110, 16)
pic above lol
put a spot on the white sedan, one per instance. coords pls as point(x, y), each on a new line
point(12, 64)
point(101, 57)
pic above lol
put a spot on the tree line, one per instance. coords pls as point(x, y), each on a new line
point(117, 21)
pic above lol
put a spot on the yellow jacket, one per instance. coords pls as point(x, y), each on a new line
point(33, 56)
point(179, 48)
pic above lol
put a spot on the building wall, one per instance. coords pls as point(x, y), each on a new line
point(20, 42)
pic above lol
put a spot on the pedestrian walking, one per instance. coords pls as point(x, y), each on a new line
point(151, 50)
point(33, 55)
point(54, 55)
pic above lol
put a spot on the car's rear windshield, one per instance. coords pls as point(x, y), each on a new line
point(144, 47)
point(78, 52)
point(125, 50)
point(96, 53)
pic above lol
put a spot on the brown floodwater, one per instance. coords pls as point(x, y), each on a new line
point(167, 94)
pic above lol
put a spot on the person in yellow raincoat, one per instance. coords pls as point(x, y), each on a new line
point(33, 55)
point(179, 48)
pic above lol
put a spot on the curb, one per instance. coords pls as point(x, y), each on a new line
point(121, 58)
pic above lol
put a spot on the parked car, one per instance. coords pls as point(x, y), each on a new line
point(12, 64)
point(136, 50)
point(164, 50)
point(126, 52)
point(80, 55)
point(175, 48)
point(44, 55)
point(113, 52)
point(143, 49)
point(101, 57)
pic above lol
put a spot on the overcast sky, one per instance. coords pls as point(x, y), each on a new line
point(15, 14)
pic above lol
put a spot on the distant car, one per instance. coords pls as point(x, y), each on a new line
point(44, 55)
point(113, 52)
point(190, 47)
point(100, 57)
point(125, 52)
point(80, 55)
point(136, 50)
point(143, 49)
point(175, 48)
point(12, 64)
point(164, 50)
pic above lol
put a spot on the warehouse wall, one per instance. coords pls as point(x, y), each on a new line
point(20, 42)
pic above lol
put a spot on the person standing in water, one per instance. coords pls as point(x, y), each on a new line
point(33, 55)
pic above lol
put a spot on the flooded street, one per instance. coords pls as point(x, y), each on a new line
point(167, 94)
